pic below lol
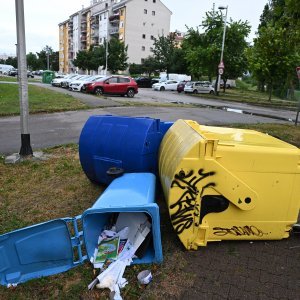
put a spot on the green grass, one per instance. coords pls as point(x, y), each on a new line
point(40, 100)
point(245, 95)
point(14, 79)
point(33, 192)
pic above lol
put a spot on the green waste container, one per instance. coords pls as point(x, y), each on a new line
point(48, 76)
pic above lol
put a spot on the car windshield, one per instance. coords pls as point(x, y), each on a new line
point(96, 78)
point(189, 83)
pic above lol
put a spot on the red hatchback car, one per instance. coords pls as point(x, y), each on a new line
point(117, 85)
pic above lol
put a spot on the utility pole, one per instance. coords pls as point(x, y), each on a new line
point(26, 149)
point(221, 65)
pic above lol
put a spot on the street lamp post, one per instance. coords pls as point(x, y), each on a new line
point(48, 60)
point(26, 149)
point(106, 54)
point(222, 50)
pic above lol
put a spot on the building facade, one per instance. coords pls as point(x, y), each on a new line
point(134, 22)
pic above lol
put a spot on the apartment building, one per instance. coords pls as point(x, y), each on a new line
point(134, 22)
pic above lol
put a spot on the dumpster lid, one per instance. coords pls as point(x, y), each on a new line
point(39, 250)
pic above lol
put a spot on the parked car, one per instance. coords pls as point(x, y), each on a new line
point(58, 81)
point(80, 84)
point(13, 72)
point(66, 82)
point(30, 74)
point(169, 85)
point(181, 85)
point(145, 82)
point(198, 87)
point(118, 85)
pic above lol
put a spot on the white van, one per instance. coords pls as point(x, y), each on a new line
point(172, 76)
point(4, 69)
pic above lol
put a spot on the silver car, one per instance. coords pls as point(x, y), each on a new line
point(197, 87)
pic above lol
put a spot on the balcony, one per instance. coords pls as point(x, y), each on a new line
point(114, 18)
point(95, 33)
point(114, 30)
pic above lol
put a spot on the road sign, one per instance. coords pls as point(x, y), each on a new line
point(221, 65)
point(298, 72)
point(221, 71)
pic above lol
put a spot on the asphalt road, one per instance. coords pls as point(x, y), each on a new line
point(48, 130)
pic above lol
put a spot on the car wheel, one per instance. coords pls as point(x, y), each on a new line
point(98, 91)
point(130, 93)
point(179, 92)
point(195, 92)
point(211, 92)
point(162, 88)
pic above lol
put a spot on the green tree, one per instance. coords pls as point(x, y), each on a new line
point(81, 60)
point(275, 53)
point(43, 57)
point(203, 49)
point(117, 56)
point(13, 61)
point(136, 69)
point(151, 66)
point(32, 61)
point(163, 52)
point(97, 57)
point(90, 59)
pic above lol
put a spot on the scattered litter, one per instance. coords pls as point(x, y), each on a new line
point(144, 277)
point(117, 246)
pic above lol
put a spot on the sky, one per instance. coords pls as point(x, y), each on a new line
point(43, 16)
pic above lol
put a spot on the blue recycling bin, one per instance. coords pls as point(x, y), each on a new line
point(118, 142)
point(58, 245)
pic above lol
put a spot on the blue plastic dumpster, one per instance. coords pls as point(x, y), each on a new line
point(120, 142)
point(49, 248)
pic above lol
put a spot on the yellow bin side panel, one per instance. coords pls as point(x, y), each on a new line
point(192, 166)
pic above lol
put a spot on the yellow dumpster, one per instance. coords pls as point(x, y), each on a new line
point(228, 184)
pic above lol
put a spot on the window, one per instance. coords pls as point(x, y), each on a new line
point(152, 37)
point(123, 80)
point(154, 1)
point(143, 48)
point(151, 48)
point(145, 11)
point(144, 23)
point(113, 80)
point(153, 13)
point(142, 60)
point(144, 36)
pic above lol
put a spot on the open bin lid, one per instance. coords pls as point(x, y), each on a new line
point(39, 250)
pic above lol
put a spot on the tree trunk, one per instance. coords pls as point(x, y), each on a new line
point(224, 85)
point(270, 88)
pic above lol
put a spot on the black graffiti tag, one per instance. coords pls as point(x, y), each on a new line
point(239, 231)
point(187, 208)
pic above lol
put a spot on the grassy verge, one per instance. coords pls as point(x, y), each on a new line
point(14, 79)
point(33, 192)
point(40, 100)
point(252, 97)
